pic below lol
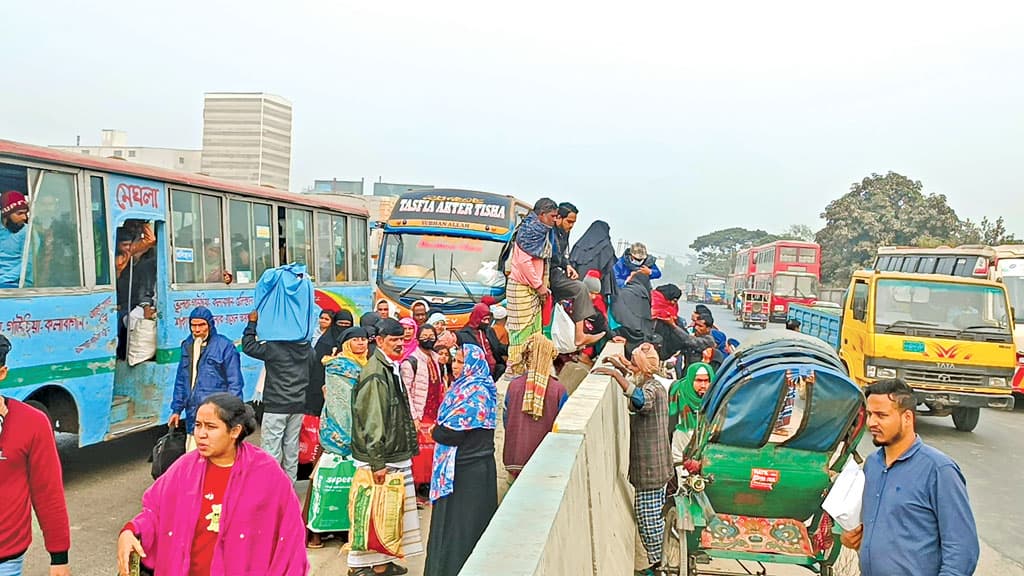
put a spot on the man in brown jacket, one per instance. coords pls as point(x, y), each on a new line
point(650, 454)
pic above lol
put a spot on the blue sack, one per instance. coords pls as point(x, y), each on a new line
point(286, 305)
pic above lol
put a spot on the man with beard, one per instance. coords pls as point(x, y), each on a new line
point(14, 216)
point(565, 280)
point(384, 440)
point(916, 515)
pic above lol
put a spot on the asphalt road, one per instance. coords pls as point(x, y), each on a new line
point(104, 485)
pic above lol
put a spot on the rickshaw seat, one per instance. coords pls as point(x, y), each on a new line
point(797, 493)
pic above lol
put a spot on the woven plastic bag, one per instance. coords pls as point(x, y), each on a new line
point(377, 512)
point(329, 497)
point(563, 331)
point(844, 500)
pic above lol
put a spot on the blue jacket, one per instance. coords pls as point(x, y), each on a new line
point(219, 370)
point(12, 248)
point(624, 267)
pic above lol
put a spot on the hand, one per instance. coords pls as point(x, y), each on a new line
point(126, 543)
point(644, 270)
point(60, 570)
point(571, 272)
point(543, 291)
point(852, 538)
point(254, 316)
point(149, 312)
point(380, 475)
point(619, 340)
point(174, 421)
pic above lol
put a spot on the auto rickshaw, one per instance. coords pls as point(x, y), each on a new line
point(755, 308)
point(775, 428)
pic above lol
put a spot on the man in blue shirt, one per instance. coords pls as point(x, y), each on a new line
point(13, 216)
point(917, 520)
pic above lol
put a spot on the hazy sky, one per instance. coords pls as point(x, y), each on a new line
point(667, 119)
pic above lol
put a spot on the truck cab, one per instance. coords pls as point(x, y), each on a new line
point(950, 338)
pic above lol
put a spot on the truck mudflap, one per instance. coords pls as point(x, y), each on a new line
point(941, 400)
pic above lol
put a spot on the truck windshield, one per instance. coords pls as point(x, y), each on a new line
point(793, 286)
point(941, 305)
point(1015, 288)
point(440, 265)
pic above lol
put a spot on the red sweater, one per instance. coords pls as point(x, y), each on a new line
point(30, 477)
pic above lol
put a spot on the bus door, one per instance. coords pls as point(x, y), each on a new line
point(139, 262)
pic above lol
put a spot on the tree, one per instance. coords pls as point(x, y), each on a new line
point(675, 270)
point(890, 210)
point(798, 232)
point(715, 250)
point(986, 232)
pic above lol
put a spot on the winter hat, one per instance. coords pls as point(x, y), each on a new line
point(12, 201)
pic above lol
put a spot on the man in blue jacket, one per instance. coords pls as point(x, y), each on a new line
point(209, 364)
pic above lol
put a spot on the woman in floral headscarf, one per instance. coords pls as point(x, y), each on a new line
point(465, 448)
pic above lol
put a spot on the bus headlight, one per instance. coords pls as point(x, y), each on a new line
point(876, 372)
point(997, 382)
point(779, 307)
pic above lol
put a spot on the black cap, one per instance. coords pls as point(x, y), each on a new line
point(390, 327)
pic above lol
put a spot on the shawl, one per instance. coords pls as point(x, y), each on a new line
point(684, 400)
point(535, 238)
point(646, 360)
point(539, 353)
point(471, 403)
point(595, 251)
point(413, 344)
point(340, 376)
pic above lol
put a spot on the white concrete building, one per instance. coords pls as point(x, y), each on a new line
point(247, 137)
point(114, 144)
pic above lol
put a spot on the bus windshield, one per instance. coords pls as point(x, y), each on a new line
point(1015, 288)
point(716, 285)
point(939, 305)
point(793, 286)
point(440, 265)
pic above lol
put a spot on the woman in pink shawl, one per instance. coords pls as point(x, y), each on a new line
point(225, 508)
point(409, 336)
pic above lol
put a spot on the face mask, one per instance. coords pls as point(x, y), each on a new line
point(428, 344)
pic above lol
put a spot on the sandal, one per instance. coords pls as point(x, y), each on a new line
point(394, 570)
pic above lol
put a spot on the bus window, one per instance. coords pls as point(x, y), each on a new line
point(251, 240)
point(360, 264)
point(788, 255)
point(55, 254)
point(298, 236)
point(882, 263)
point(331, 248)
point(927, 265)
point(808, 255)
point(945, 265)
point(961, 268)
point(98, 204)
point(196, 228)
point(910, 264)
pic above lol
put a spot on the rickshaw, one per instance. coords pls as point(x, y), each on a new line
point(755, 307)
point(775, 428)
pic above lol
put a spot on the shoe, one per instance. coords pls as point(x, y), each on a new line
point(395, 569)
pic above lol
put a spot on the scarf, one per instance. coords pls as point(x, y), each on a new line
point(413, 344)
point(645, 358)
point(684, 400)
point(535, 238)
point(471, 403)
point(539, 353)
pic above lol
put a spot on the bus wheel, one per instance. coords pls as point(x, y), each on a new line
point(966, 419)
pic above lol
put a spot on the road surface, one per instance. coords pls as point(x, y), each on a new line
point(104, 486)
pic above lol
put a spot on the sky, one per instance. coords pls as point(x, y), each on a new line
point(666, 119)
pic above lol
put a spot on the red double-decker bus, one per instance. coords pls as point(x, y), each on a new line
point(742, 273)
point(790, 270)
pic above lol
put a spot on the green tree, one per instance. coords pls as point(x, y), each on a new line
point(990, 233)
point(890, 210)
point(801, 232)
point(716, 250)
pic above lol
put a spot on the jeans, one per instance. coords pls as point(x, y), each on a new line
point(280, 439)
point(12, 567)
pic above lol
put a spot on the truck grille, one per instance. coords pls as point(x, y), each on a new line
point(926, 376)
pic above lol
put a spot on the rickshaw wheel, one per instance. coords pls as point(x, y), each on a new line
point(675, 556)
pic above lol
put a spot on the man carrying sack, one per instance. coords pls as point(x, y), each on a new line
point(383, 443)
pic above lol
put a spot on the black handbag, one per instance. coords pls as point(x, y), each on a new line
point(168, 448)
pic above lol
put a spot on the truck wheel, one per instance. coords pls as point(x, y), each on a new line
point(966, 419)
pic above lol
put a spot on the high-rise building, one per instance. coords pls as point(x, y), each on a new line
point(248, 137)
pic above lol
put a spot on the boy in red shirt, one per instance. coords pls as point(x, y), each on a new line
point(30, 477)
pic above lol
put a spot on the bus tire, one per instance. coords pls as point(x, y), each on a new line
point(966, 419)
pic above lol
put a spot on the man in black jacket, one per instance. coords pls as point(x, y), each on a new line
point(565, 280)
point(284, 393)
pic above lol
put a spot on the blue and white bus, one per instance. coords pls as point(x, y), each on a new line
point(61, 312)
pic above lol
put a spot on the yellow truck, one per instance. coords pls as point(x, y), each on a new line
point(950, 338)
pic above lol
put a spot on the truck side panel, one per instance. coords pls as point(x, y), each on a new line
point(817, 323)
